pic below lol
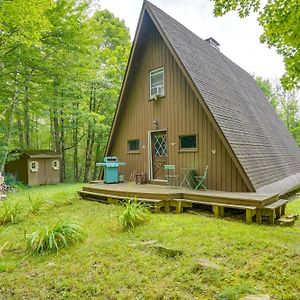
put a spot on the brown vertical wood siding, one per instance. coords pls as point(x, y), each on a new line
point(179, 112)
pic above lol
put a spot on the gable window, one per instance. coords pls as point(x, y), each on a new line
point(55, 164)
point(157, 88)
point(133, 145)
point(188, 142)
point(34, 166)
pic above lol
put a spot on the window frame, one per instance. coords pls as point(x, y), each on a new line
point(163, 82)
point(35, 168)
point(57, 164)
point(180, 149)
point(128, 146)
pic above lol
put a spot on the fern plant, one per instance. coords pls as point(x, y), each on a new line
point(9, 212)
point(54, 238)
point(133, 214)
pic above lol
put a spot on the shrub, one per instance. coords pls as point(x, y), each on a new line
point(9, 212)
point(53, 239)
point(11, 181)
point(133, 214)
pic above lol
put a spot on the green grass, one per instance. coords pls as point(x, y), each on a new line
point(115, 264)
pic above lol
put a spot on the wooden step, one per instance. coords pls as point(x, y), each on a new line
point(275, 210)
point(114, 199)
point(120, 197)
point(276, 204)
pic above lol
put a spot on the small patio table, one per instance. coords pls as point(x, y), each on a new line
point(188, 177)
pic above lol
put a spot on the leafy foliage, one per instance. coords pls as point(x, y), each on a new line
point(53, 239)
point(280, 21)
point(268, 90)
point(61, 71)
point(285, 103)
point(134, 213)
point(9, 212)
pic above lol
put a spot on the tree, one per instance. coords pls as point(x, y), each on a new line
point(267, 88)
point(280, 21)
point(285, 103)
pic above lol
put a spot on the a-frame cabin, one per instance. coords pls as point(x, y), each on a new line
point(185, 103)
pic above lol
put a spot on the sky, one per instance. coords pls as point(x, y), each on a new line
point(238, 38)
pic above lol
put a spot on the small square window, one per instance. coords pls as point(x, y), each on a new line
point(55, 164)
point(157, 83)
point(133, 145)
point(188, 142)
point(34, 166)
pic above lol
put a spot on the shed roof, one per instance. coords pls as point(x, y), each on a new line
point(262, 144)
point(40, 153)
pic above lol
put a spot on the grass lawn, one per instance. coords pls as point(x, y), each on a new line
point(113, 264)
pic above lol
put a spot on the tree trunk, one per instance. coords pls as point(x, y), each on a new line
point(89, 140)
point(26, 117)
point(75, 143)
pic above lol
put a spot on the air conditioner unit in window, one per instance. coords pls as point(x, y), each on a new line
point(158, 93)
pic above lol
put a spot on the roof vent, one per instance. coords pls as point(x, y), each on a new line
point(213, 42)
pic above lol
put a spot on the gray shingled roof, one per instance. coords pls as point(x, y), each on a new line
point(261, 142)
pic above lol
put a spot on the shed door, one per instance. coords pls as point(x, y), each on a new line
point(159, 154)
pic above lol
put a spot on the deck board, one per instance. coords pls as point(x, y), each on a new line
point(159, 192)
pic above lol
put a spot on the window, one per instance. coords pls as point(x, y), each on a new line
point(34, 166)
point(133, 145)
point(55, 164)
point(188, 142)
point(157, 83)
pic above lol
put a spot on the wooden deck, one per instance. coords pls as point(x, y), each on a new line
point(168, 197)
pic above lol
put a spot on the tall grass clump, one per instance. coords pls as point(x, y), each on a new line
point(9, 212)
point(133, 214)
point(53, 239)
point(35, 205)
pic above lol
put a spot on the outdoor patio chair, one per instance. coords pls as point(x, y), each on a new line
point(170, 171)
point(199, 180)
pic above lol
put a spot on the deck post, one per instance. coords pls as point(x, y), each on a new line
point(156, 209)
point(258, 215)
point(216, 211)
point(283, 209)
point(278, 212)
point(221, 211)
point(248, 216)
point(272, 217)
point(179, 208)
point(110, 200)
point(167, 208)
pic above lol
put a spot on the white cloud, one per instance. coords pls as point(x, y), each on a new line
point(239, 38)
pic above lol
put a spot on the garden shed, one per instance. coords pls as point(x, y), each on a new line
point(35, 167)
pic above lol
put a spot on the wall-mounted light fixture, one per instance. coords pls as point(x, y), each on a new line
point(155, 124)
